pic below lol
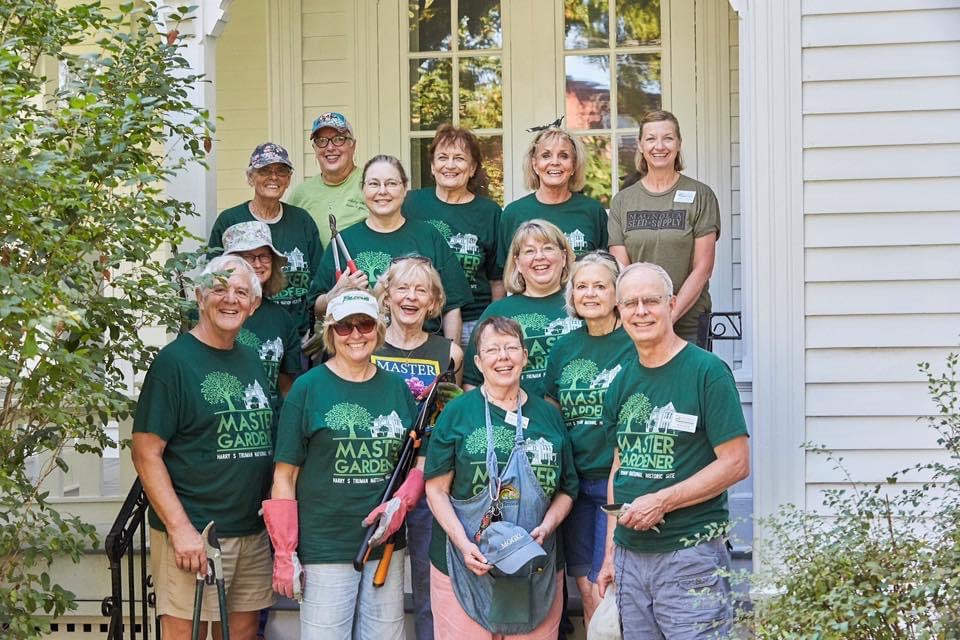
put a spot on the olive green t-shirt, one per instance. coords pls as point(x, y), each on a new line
point(211, 408)
point(582, 219)
point(346, 438)
point(580, 369)
point(662, 227)
point(372, 252)
point(294, 234)
point(320, 199)
point(666, 421)
point(459, 444)
point(272, 333)
point(471, 231)
point(543, 321)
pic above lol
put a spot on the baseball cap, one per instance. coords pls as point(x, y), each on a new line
point(353, 302)
point(269, 153)
point(246, 236)
point(331, 119)
point(509, 547)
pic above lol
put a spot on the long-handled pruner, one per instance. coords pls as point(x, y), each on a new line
point(212, 574)
point(338, 246)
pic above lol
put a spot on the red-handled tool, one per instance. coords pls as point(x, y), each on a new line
point(338, 246)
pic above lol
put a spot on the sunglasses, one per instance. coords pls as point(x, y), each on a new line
point(416, 257)
point(599, 252)
point(364, 326)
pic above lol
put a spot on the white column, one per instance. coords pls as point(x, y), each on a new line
point(772, 200)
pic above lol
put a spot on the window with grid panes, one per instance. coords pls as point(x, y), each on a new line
point(455, 75)
point(612, 65)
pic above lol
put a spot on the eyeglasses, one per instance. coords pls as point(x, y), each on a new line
point(363, 325)
point(321, 142)
point(650, 303)
point(493, 352)
point(416, 257)
point(599, 252)
point(548, 250)
point(283, 171)
point(389, 185)
point(253, 258)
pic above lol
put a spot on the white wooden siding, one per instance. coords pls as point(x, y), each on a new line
point(734, 230)
point(881, 169)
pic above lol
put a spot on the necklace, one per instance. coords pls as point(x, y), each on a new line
point(409, 352)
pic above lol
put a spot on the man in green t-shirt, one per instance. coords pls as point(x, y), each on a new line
point(203, 447)
point(337, 189)
point(674, 422)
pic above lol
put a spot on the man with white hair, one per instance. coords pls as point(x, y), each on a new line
point(674, 420)
point(203, 448)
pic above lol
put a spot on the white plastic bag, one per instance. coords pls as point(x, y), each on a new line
point(605, 623)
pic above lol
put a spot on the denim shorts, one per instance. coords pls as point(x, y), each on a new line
point(585, 530)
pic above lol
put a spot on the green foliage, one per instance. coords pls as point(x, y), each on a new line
point(887, 565)
point(83, 215)
point(346, 416)
point(578, 370)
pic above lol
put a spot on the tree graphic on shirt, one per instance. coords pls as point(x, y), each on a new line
point(530, 321)
point(346, 416)
point(373, 263)
point(248, 339)
point(636, 410)
point(219, 387)
point(577, 370)
point(443, 228)
point(502, 440)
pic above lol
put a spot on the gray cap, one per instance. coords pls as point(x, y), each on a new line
point(509, 547)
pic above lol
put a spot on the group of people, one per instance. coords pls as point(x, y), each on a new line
point(586, 434)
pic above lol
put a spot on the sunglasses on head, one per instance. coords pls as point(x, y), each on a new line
point(416, 257)
point(363, 325)
point(599, 252)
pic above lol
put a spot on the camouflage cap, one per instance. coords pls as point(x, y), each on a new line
point(269, 153)
point(333, 120)
point(247, 236)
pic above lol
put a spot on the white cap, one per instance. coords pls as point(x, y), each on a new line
point(353, 302)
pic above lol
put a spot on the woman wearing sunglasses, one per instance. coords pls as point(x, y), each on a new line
point(340, 434)
point(385, 235)
point(582, 365)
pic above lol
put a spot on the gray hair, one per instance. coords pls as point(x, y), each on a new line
point(588, 259)
point(231, 262)
point(649, 266)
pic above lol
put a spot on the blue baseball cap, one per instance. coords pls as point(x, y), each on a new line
point(509, 547)
point(333, 120)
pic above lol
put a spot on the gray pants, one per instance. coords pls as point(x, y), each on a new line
point(660, 595)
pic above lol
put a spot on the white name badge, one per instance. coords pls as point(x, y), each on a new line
point(512, 419)
point(684, 422)
point(684, 197)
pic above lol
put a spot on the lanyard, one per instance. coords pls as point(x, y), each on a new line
point(493, 471)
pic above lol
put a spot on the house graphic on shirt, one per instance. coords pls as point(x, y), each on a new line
point(561, 326)
point(465, 243)
point(578, 241)
point(254, 397)
point(541, 451)
point(605, 377)
point(660, 419)
point(295, 260)
point(389, 426)
point(272, 350)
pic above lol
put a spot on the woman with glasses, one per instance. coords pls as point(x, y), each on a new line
point(582, 365)
point(538, 267)
point(458, 207)
point(340, 434)
point(503, 452)
point(410, 293)
point(293, 231)
point(668, 219)
point(554, 168)
point(386, 234)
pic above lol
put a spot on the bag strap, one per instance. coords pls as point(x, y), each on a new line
point(493, 469)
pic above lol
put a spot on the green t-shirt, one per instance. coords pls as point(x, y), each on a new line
point(272, 333)
point(666, 422)
point(459, 444)
point(580, 369)
point(294, 234)
point(662, 227)
point(582, 219)
point(211, 408)
point(345, 437)
point(344, 200)
point(471, 231)
point(543, 321)
point(372, 252)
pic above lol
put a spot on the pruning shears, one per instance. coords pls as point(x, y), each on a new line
point(338, 246)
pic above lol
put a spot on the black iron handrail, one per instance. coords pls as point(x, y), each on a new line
point(719, 325)
point(119, 545)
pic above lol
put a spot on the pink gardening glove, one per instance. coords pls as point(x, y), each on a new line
point(280, 516)
point(392, 512)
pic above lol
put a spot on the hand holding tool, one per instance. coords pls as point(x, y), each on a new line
point(212, 574)
point(617, 509)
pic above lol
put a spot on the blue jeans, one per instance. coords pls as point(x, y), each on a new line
point(585, 530)
point(655, 593)
point(419, 528)
point(339, 603)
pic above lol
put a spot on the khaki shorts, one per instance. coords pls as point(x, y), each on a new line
point(247, 572)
